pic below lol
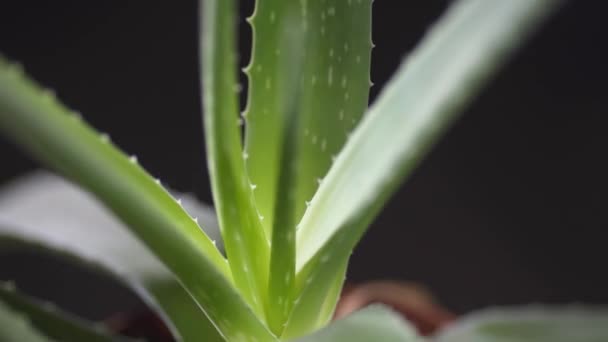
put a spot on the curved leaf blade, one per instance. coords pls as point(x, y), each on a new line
point(373, 323)
point(451, 63)
point(43, 212)
point(456, 57)
point(15, 327)
point(55, 324)
point(530, 324)
point(36, 121)
point(246, 245)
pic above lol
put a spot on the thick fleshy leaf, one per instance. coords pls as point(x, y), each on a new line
point(52, 322)
point(44, 212)
point(451, 63)
point(308, 87)
point(246, 245)
point(283, 242)
point(332, 96)
point(15, 327)
point(373, 323)
point(36, 121)
point(530, 324)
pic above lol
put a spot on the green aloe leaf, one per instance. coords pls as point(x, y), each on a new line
point(308, 87)
point(530, 324)
point(246, 245)
point(283, 242)
point(373, 323)
point(333, 93)
point(33, 216)
point(317, 282)
point(455, 58)
point(15, 327)
point(49, 320)
point(36, 121)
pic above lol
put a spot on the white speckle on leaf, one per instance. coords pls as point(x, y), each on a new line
point(133, 159)
point(323, 145)
point(314, 139)
point(245, 155)
point(346, 47)
point(253, 186)
point(331, 52)
point(341, 114)
point(307, 203)
point(273, 16)
point(331, 11)
point(324, 258)
point(179, 201)
point(104, 137)
point(344, 81)
point(346, 96)
point(261, 217)
point(330, 75)
point(358, 59)
point(267, 83)
point(313, 80)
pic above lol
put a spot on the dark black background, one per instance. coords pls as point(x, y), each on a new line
point(510, 207)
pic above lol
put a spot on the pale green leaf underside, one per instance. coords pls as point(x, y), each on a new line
point(52, 322)
point(460, 52)
point(530, 324)
point(44, 212)
point(448, 67)
point(374, 323)
point(15, 327)
point(244, 240)
point(333, 86)
point(36, 121)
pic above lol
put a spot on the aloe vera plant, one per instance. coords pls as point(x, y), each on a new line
point(293, 192)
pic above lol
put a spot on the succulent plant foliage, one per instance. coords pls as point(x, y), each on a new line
point(294, 190)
